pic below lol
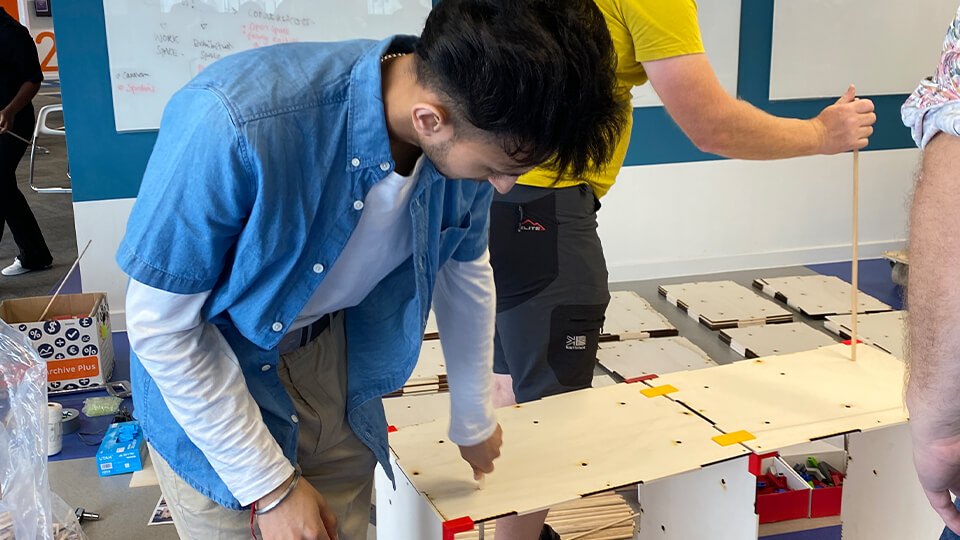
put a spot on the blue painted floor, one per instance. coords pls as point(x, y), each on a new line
point(826, 533)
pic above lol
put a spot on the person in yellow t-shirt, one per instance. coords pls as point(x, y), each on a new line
point(551, 276)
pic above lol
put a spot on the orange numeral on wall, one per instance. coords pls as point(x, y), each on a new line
point(45, 63)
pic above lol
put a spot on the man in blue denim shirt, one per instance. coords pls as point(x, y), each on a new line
point(297, 219)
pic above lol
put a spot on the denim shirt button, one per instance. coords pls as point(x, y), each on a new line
point(358, 205)
point(265, 367)
point(294, 418)
point(384, 166)
point(317, 268)
point(355, 162)
point(277, 326)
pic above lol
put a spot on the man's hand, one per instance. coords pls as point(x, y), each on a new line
point(481, 456)
point(303, 515)
point(845, 125)
point(6, 119)
point(937, 458)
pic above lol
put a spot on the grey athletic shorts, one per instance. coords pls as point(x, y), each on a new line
point(551, 288)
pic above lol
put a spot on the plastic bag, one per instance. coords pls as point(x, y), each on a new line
point(25, 497)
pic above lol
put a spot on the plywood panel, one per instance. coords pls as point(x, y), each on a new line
point(882, 497)
point(724, 304)
point(818, 296)
point(411, 410)
point(774, 339)
point(884, 330)
point(633, 358)
point(561, 448)
point(691, 505)
point(629, 316)
point(794, 398)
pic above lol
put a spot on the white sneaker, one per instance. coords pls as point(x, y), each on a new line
point(14, 269)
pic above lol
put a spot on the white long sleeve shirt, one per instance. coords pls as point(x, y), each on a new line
point(201, 381)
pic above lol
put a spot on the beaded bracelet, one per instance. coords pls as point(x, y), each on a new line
point(286, 493)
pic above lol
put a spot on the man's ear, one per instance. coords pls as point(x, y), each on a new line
point(430, 120)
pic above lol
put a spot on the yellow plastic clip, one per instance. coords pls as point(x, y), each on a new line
point(736, 437)
point(657, 391)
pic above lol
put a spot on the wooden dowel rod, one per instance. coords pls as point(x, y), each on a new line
point(855, 267)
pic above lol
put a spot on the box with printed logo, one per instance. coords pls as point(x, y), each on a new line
point(74, 338)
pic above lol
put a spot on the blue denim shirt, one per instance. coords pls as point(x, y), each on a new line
point(253, 186)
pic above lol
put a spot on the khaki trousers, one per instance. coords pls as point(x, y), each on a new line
point(329, 454)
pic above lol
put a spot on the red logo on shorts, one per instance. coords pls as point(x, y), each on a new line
point(530, 225)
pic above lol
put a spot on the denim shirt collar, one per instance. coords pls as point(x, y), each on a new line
point(368, 146)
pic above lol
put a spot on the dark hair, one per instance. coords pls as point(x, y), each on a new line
point(537, 74)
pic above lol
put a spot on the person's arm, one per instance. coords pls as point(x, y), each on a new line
point(718, 123)
point(934, 325)
point(465, 304)
point(201, 382)
point(26, 93)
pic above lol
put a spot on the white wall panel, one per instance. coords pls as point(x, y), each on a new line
point(715, 216)
point(104, 223)
point(883, 46)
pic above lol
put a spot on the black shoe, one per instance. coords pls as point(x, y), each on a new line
point(548, 533)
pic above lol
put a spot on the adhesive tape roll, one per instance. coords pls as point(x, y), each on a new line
point(54, 428)
point(71, 421)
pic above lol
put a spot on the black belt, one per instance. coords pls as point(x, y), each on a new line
point(300, 338)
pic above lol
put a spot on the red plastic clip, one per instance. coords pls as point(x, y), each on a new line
point(754, 461)
point(454, 526)
point(391, 429)
point(848, 342)
point(640, 379)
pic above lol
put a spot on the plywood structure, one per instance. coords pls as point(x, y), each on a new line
point(430, 373)
point(629, 316)
point(817, 295)
point(559, 449)
point(774, 339)
point(794, 398)
point(899, 256)
point(724, 304)
point(635, 358)
point(884, 330)
point(882, 497)
point(411, 410)
point(694, 504)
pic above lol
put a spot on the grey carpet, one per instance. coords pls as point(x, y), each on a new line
point(54, 214)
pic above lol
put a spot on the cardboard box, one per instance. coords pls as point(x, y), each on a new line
point(74, 338)
point(122, 449)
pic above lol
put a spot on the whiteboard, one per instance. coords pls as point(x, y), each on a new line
point(720, 29)
point(156, 46)
point(883, 46)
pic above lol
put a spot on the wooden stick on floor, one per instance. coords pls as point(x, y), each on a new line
point(605, 526)
point(855, 267)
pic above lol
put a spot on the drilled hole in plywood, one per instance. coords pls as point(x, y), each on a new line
point(441, 441)
point(416, 473)
point(677, 443)
point(845, 406)
point(875, 472)
point(723, 482)
point(622, 402)
point(766, 422)
point(663, 528)
point(584, 464)
point(707, 387)
point(536, 421)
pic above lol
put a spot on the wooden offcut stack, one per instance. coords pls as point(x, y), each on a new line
point(588, 516)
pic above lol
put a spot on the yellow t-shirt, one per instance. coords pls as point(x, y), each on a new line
point(641, 30)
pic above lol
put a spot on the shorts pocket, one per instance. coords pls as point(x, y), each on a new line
point(574, 337)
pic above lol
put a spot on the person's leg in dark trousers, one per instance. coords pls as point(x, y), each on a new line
point(14, 210)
